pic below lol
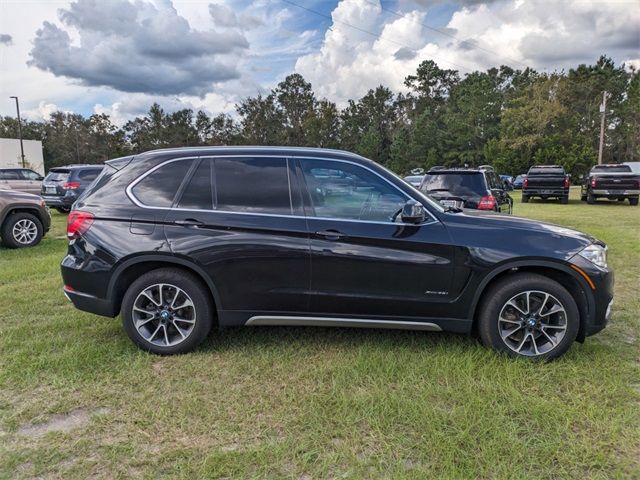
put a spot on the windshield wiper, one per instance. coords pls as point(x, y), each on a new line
point(438, 190)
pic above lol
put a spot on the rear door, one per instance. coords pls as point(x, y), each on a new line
point(363, 262)
point(240, 220)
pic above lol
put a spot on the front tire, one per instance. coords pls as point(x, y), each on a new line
point(21, 230)
point(529, 315)
point(167, 311)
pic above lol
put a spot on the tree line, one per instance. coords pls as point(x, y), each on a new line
point(508, 118)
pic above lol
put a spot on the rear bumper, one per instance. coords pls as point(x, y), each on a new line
point(545, 192)
point(89, 303)
point(59, 201)
point(615, 192)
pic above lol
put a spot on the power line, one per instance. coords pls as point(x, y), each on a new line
point(373, 34)
point(447, 34)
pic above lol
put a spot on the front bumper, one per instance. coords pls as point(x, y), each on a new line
point(600, 298)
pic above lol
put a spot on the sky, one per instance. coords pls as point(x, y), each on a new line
point(120, 56)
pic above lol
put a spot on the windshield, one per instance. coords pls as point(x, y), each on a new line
point(455, 183)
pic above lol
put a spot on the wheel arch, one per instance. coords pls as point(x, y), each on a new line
point(127, 271)
point(21, 208)
point(561, 273)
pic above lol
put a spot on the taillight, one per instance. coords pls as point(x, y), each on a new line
point(71, 185)
point(594, 182)
point(567, 182)
point(488, 202)
point(78, 222)
point(525, 183)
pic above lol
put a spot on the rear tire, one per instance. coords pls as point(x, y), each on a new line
point(591, 199)
point(167, 311)
point(583, 198)
point(525, 328)
point(21, 230)
point(633, 201)
point(564, 200)
point(525, 199)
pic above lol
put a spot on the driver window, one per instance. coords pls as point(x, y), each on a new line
point(30, 175)
point(348, 191)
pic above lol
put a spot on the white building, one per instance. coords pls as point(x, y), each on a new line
point(10, 154)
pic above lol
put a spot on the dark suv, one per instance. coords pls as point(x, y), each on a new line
point(476, 188)
point(179, 241)
point(63, 185)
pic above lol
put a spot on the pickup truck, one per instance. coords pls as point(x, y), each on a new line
point(615, 182)
point(546, 181)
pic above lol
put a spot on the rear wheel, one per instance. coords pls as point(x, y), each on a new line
point(591, 199)
point(564, 200)
point(525, 199)
point(167, 311)
point(529, 315)
point(21, 230)
point(633, 201)
point(63, 209)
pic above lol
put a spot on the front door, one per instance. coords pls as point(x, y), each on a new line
point(364, 260)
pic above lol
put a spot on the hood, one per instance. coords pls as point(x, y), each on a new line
point(17, 196)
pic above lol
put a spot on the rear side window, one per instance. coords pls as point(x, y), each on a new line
point(198, 194)
point(9, 175)
point(456, 183)
point(159, 188)
point(253, 185)
point(89, 175)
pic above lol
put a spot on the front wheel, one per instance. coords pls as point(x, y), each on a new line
point(21, 230)
point(167, 311)
point(529, 315)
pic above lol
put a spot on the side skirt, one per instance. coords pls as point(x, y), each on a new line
point(272, 320)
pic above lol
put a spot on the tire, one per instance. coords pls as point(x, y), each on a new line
point(525, 199)
point(184, 328)
point(633, 201)
point(21, 230)
point(564, 200)
point(530, 339)
point(583, 198)
point(591, 199)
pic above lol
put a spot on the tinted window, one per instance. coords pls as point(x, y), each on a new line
point(57, 176)
point(257, 185)
point(9, 175)
point(465, 184)
point(198, 193)
point(344, 190)
point(611, 168)
point(89, 175)
point(546, 171)
point(159, 188)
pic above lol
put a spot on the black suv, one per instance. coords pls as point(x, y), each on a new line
point(63, 185)
point(179, 241)
point(477, 188)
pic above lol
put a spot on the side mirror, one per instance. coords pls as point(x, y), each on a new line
point(40, 178)
point(413, 212)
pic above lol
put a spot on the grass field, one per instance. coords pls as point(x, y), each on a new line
point(78, 400)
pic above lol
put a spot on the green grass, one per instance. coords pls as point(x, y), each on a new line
point(315, 403)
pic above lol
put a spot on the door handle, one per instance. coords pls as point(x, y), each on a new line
point(331, 234)
point(189, 222)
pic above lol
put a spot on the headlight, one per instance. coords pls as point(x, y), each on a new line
point(596, 254)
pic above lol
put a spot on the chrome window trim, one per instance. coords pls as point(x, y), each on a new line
point(132, 197)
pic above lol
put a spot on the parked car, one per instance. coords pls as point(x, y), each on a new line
point(507, 181)
point(20, 179)
point(546, 181)
point(477, 188)
point(612, 181)
point(180, 241)
point(24, 219)
point(518, 181)
point(414, 180)
point(63, 185)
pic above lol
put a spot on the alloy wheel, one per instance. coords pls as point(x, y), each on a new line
point(532, 323)
point(25, 231)
point(164, 314)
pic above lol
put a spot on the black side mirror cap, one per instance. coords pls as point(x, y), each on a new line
point(413, 212)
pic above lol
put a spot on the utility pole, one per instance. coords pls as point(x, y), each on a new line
point(603, 114)
point(24, 165)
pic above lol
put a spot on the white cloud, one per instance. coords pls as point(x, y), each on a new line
point(543, 34)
